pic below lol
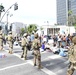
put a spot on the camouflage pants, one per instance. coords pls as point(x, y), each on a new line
point(37, 57)
point(1, 44)
point(24, 53)
point(10, 46)
point(71, 69)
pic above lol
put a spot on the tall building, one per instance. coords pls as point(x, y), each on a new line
point(63, 6)
point(62, 11)
point(73, 6)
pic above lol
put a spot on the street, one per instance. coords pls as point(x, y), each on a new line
point(12, 64)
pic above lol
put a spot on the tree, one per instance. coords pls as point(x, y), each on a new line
point(1, 9)
point(22, 31)
point(41, 28)
point(31, 28)
point(70, 18)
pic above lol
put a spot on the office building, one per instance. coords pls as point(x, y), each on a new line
point(63, 6)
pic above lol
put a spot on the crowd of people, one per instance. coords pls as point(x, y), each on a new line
point(58, 44)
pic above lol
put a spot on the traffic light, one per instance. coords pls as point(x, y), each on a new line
point(15, 6)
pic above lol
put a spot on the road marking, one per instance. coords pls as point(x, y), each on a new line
point(13, 66)
point(54, 56)
point(44, 69)
point(47, 71)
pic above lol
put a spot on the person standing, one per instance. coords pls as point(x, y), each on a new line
point(72, 57)
point(24, 43)
point(36, 47)
point(1, 41)
point(10, 42)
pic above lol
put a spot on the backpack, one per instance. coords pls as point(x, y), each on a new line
point(72, 53)
point(36, 44)
point(9, 38)
point(23, 42)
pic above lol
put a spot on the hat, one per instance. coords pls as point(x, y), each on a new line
point(25, 34)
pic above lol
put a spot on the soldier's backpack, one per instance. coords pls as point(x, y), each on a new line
point(9, 38)
point(23, 43)
point(36, 44)
point(72, 53)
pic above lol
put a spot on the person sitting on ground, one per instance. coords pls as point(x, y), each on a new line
point(62, 51)
point(42, 47)
point(55, 49)
point(47, 46)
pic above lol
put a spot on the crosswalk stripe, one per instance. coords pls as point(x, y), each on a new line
point(12, 66)
point(44, 69)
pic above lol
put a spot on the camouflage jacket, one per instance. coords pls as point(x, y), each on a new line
point(36, 44)
point(72, 54)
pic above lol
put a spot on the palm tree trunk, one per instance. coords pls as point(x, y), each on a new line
point(0, 16)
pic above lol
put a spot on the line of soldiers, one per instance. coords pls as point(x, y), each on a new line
point(24, 44)
point(37, 56)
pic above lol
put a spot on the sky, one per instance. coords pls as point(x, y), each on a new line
point(31, 11)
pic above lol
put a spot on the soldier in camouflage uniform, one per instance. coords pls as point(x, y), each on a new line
point(10, 42)
point(1, 41)
point(37, 56)
point(72, 57)
point(24, 43)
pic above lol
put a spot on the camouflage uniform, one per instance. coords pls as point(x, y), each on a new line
point(37, 55)
point(24, 43)
point(72, 57)
point(10, 42)
point(1, 41)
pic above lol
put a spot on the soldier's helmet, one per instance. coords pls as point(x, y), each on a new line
point(25, 35)
point(74, 39)
point(10, 32)
point(36, 35)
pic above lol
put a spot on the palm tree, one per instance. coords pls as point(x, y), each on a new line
point(1, 9)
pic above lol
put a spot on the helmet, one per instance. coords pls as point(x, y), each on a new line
point(10, 32)
point(36, 35)
point(74, 39)
point(25, 34)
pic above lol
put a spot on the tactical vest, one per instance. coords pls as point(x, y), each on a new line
point(23, 43)
point(72, 54)
point(10, 37)
point(36, 44)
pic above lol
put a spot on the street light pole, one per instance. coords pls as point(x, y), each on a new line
point(15, 6)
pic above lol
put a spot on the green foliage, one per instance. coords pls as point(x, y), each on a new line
point(69, 12)
point(22, 31)
point(41, 28)
point(71, 18)
point(31, 28)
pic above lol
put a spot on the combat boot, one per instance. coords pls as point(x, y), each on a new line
point(22, 56)
point(34, 64)
point(40, 67)
point(11, 52)
point(25, 58)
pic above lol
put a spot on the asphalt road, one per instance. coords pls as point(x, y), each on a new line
point(12, 64)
